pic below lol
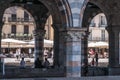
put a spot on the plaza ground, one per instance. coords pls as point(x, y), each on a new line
point(29, 61)
point(12, 64)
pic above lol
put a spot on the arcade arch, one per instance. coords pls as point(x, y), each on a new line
point(98, 34)
point(61, 21)
point(91, 10)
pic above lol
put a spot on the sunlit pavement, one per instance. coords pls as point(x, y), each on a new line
point(101, 61)
point(15, 60)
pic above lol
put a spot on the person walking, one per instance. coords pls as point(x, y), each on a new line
point(38, 63)
point(92, 62)
point(22, 63)
point(46, 63)
point(96, 58)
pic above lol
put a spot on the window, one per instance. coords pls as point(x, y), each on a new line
point(13, 29)
point(26, 29)
point(103, 35)
point(26, 16)
point(92, 24)
point(13, 16)
point(90, 36)
point(102, 21)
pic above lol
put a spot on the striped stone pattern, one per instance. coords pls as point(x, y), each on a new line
point(76, 6)
point(74, 60)
point(73, 55)
point(38, 47)
point(39, 43)
point(63, 8)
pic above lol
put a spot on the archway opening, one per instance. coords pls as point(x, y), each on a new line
point(98, 41)
point(95, 41)
point(18, 39)
point(40, 12)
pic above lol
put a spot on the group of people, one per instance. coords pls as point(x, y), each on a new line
point(42, 64)
point(38, 63)
point(94, 61)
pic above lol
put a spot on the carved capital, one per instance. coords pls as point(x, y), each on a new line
point(39, 33)
point(72, 34)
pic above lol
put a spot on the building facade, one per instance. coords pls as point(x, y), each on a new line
point(19, 24)
point(97, 29)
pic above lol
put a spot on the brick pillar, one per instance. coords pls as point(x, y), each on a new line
point(39, 43)
point(73, 51)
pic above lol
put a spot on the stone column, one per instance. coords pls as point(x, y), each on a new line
point(73, 51)
point(84, 53)
point(56, 56)
point(39, 43)
point(114, 49)
point(1, 63)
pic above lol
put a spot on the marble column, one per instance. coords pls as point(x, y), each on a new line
point(72, 41)
point(39, 43)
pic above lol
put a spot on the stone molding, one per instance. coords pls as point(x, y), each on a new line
point(73, 34)
point(39, 33)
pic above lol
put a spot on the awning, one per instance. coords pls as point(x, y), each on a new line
point(98, 44)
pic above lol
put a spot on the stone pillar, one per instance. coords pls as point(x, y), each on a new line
point(56, 49)
point(56, 56)
point(1, 62)
point(39, 43)
point(73, 51)
point(1, 25)
point(84, 53)
point(114, 49)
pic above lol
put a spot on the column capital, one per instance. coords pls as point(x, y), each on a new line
point(39, 32)
point(57, 26)
point(73, 34)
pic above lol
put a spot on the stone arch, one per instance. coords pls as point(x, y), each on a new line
point(61, 14)
point(112, 16)
point(89, 11)
point(61, 20)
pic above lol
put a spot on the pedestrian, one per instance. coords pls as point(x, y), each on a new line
point(92, 62)
point(46, 63)
point(85, 67)
point(96, 58)
point(22, 63)
point(38, 63)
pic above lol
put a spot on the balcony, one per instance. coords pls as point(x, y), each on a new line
point(102, 25)
point(19, 20)
point(20, 36)
point(97, 39)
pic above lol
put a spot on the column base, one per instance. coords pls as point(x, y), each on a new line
point(114, 71)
